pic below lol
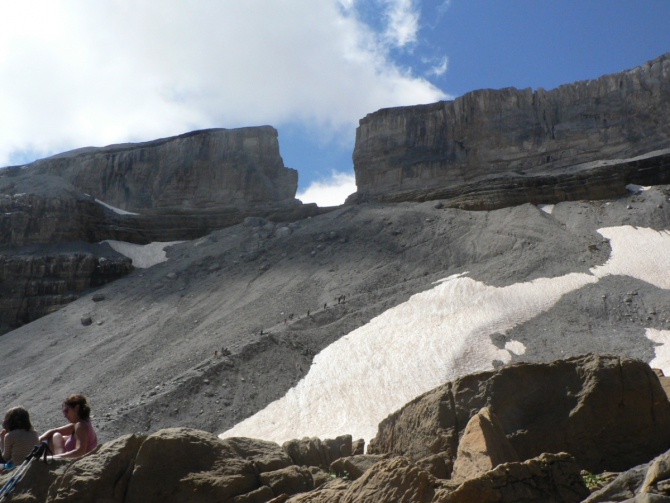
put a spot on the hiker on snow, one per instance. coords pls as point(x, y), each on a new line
point(76, 438)
point(17, 437)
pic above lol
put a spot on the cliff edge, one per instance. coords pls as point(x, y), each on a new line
point(468, 145)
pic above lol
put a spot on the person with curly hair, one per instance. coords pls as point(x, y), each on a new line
point(17, 437)
point(78, 436)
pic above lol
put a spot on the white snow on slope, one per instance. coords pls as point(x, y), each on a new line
point(662, 352)
point(143, 256)
point(435, 336)
point(638, 252)
point(547, 208)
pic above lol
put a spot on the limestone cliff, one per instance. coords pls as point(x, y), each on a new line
point(201, 169)
point(164, 190)
point(404, 153)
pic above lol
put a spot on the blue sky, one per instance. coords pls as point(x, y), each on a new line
point(75, 73)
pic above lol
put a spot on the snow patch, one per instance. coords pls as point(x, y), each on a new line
point(435, 336)
point(638, 252)
point(637, 188)
point(143, 256)
point(547, 208)
point(115, 210)
point(662, 352)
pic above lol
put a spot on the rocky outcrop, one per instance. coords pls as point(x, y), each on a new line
point(165, 190)
point(647, 482)
point(36, 281)
point(588, 406)
point(550, 478)
point(201, 169)
point(494, 148)
point(482, 447)
point(317, 452)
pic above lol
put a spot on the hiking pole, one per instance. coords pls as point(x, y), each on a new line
point(37, 451)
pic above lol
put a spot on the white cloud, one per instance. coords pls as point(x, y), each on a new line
point(403, 22)
point(440, 68)
point(331, 192)
point(75, 73)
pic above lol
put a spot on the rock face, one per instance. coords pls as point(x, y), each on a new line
point(35, 282)
point(512, 145)
point(588, 406)
point(164, 190)
point(201, 169)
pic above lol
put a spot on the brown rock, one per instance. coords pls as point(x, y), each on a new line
point(317, 452)
point(439, 465)
point(358, 447)
point(290, 480)
point(482, 447)
point(390, 481)
point(102, 475)
point(266, 456)
point(520, 143)
point(588, 406)
point(550, 478)
point(319, 476)
point(353, 467)
point(261, 495)
point(330, 492)
point(201, 467)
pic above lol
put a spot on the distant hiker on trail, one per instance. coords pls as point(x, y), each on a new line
point(261, 331)
point(325, 305)
point(216, 353)
point(76, 438)
point(17, 437)
point(285, 320)
point(308, 312)
point(290, 316)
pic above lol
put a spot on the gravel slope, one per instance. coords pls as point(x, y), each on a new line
point(147, 361)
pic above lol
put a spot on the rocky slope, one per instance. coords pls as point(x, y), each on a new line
point(501, 146)
point(165, 190)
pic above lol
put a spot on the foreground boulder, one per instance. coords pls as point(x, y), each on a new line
point(550, 478)
point(589, 406)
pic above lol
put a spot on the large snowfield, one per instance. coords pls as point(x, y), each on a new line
point(436, 336)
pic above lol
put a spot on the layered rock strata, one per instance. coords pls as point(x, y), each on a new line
point(201, 169)
point(165, 190)
point(35, 282)
point(507, 144)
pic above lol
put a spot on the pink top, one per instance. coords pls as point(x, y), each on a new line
point(71, 442)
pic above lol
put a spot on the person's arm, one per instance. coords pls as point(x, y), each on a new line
point(81, 436)
point(7, 448)
point(63, 430)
